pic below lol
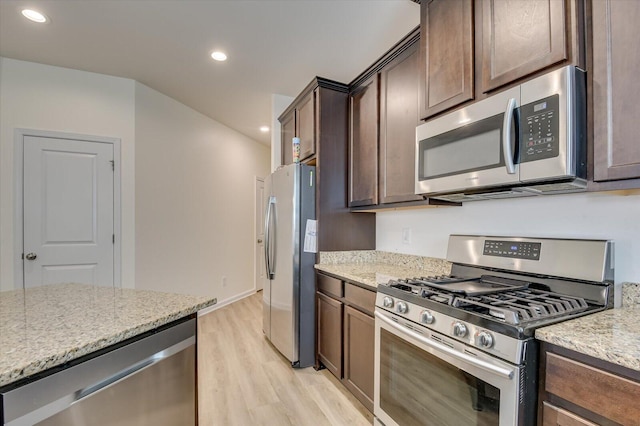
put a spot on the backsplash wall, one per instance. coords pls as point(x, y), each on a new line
point(606, 215)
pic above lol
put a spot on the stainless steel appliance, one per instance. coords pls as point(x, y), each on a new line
point(149, 381)
point(527, 140)
point(288, 296)
point(460, 349)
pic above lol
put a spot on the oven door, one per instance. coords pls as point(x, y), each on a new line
point(425, 378)
point(471, 148)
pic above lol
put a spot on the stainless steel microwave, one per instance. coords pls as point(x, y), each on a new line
point(527, 140)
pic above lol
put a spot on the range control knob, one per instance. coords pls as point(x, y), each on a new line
point(402, 308)
point(387, 302)
point(484, 339)
point(426, 317)
point(459, 329)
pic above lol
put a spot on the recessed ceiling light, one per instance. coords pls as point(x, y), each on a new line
point(219, 56)
point(34, 15)
point(264, 129)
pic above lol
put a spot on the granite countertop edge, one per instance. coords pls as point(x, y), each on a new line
point(91, 342)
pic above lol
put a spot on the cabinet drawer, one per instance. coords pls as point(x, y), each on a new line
point(554, 416)
point(598, 391)
point(329, 285)
point(360, 297)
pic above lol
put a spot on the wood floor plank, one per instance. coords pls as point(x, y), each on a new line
point(244, 380)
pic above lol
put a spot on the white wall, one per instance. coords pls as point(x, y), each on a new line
point(35, 96)
point(614, 216)
point(194, 200)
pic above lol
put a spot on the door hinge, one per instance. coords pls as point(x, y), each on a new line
point(113, 239)
point(113, 164)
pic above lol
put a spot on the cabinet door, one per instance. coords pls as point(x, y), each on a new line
point(306, 125)
point(363, 153)
point(601, 392)
point(358, 355)
point(520, 38)
point(616, 89)
point(398, 121)
point(446, 55)
point(287, 132)
point(329, 312)
point(554, 416)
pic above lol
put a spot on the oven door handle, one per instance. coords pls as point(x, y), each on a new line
point(503, 372)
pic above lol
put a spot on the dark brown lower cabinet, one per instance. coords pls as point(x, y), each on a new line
point(358, 355)
point(554, 416)
point(329, 313)
point(577, 390)
point(346, 333)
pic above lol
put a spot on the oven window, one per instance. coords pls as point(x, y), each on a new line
point(417, 388)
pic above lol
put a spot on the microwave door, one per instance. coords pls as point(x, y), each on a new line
point(471, 148)
point(553, 126)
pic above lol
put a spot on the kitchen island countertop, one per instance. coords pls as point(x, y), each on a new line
point(47, 326)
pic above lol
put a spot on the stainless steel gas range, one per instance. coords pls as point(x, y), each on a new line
point(460, 349)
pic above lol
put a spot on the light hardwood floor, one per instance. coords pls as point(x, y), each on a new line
point(243, 379)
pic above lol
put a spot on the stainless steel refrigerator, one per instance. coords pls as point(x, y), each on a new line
point(289, 293)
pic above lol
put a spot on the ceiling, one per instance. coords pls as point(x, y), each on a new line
point(273, 46)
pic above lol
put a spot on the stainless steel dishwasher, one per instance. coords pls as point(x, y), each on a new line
point(149, 381)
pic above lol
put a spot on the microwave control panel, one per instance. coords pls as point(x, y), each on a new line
point(540, 130)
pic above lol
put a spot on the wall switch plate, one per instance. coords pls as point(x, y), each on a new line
point(406, 235)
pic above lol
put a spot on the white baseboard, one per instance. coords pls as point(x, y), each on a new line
point(227, 302)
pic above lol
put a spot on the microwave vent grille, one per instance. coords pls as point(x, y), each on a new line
point(577, 185)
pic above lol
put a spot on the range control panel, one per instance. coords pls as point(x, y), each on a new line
point(515, 249)
point(539, 126)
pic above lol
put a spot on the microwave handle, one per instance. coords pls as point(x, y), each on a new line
point(507, 141)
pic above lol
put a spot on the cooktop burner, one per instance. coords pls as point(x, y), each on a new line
point(507, 300)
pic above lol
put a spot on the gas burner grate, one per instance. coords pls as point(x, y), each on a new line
point(517, 307)
point(419, 289)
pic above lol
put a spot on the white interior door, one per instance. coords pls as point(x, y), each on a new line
point(259, 266)
point(68, 214)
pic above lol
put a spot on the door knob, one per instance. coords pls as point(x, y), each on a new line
point(259, 240)
point(31, 256)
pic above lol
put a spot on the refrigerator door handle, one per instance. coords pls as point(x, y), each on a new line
point(268, 255)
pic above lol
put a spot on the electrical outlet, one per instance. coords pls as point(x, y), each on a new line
point(406, 235)
point(224, 281)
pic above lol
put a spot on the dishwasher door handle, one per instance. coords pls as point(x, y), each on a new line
point(124, 374)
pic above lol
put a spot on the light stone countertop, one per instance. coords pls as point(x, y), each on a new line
point(47, 326)
point(612, 335)
point(370, 267)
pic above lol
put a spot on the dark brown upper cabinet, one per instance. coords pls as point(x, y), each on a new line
point(306, 125)
point(363, 143)
point(616, 90)
point(319, 117)
point(384, 112)
point(399, 88)
point(287, 133)
point(446, 55)
point(300, 122)
point(519, 38)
